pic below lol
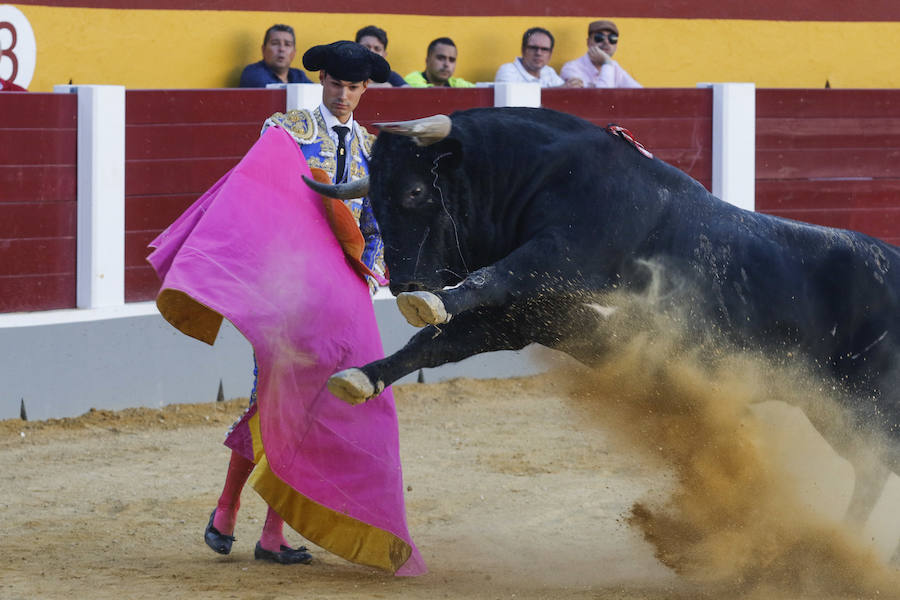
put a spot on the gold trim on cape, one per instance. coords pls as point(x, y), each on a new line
point(189, 316)
point(336, 532)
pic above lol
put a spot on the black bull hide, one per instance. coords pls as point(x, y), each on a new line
point(531, 213)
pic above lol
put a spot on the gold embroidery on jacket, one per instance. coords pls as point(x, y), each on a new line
point(299, 123)
point(325, 158)
point(367, 141)
point(308, 127)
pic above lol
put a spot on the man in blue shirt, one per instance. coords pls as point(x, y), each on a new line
point(375, 39)
point(279, 49)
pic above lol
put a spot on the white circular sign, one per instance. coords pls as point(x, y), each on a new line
point(18, 49)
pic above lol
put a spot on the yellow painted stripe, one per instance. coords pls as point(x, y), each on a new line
point(207, 49)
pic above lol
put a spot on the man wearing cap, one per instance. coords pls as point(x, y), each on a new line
point(597, 69)
point(334, 143)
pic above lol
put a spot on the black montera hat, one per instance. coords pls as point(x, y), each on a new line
point(348, 61)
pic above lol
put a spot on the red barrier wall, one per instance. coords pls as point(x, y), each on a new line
point(823, 156)
point(38, 150)
point(177, 144)
point(396, 104)
point(674, 124)
point(830, 157)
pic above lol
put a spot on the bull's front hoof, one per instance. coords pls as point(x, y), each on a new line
point(422, 308)
point(351, 385)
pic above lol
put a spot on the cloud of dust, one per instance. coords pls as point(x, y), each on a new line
point(732, 519)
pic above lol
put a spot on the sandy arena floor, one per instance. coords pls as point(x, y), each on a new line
point(513, 493)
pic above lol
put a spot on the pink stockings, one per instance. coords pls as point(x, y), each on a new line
point(239, 469)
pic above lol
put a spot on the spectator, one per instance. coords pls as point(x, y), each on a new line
point(375, 39)
point(279, 49)
point(440, 63)
point(597, 69)
point(532, 67)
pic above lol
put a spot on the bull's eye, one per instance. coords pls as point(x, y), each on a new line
point(414, 196)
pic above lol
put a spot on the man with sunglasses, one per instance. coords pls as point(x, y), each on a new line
point(596, 68)
point(532, 67)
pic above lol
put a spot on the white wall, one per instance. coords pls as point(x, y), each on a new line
point(63, 363)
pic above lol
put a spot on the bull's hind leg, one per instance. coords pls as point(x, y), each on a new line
point(870, 478)
point(851, 435)
point(870, 483)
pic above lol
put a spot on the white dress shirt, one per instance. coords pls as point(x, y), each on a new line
point(515, 72)
point(610, 75)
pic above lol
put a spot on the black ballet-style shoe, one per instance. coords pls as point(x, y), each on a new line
point(287, 555)
point(219, 542)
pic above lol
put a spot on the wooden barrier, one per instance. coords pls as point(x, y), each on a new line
point(38, 146)
point(830, 157)
point(674, 124)
point(177, 144)
point(823, 156)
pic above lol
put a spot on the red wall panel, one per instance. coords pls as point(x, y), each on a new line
point(403, 104)
point(674, 124)
point(37, 201)
point(793, 133)
point(37, 220)
point(823, 156)
point(196, 107)
point(38, 183)
point(827, 103)
point(830, 157)
point(37, 292)
point(177, 144)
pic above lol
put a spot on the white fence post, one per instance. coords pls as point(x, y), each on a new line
point(517, 94)
point(100, 257)
point(300, 95)
point(734, 143)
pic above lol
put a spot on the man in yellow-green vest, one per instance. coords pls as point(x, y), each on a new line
point(440, 63)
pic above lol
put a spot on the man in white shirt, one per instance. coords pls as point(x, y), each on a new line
point(532, 67)
point(596, 68)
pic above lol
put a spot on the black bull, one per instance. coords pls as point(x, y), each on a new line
point(530, 212)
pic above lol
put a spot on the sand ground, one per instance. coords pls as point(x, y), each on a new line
point(511, 494)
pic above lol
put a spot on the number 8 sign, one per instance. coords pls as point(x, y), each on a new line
point(17, 47)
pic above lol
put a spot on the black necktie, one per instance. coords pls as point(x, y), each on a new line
point(341, 152)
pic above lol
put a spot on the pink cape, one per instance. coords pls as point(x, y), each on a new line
point(257, 249)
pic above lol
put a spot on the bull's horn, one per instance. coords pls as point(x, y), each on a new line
point(344, 191)
point(425, 131)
